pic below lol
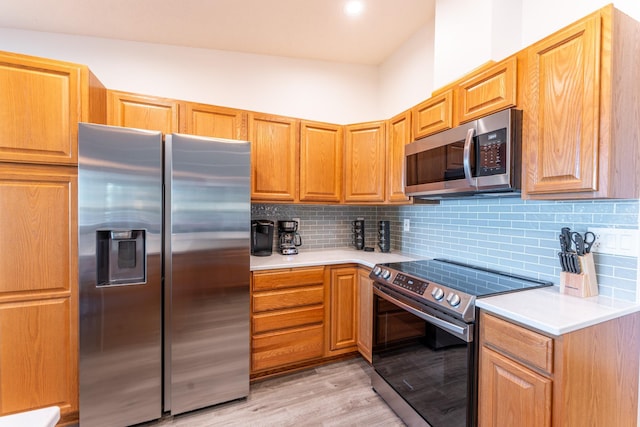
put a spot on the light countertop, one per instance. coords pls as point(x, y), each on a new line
point(544, 309)
point(326, 257)
point(45, 417)
point(549, 311)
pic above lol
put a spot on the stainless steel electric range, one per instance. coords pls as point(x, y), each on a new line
point(424, 337)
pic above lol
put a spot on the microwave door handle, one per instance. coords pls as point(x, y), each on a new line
point(466, 157)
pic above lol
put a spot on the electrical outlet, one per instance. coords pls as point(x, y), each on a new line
point(616, 241)
point(298, 221)
point(407, 225)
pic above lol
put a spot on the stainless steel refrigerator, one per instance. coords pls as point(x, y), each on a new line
point(163, 273)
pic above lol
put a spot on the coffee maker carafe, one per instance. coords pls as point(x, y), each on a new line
point(288, 237)
point(261, 237)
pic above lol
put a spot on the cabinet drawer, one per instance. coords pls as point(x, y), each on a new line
point(287, 278)
point(284, 348)
point(283, 319)
point(288, 298)
point(524, 345)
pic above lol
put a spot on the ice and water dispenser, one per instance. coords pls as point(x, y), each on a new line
point(121, 257)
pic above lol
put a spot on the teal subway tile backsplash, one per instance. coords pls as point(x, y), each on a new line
point(506, 234)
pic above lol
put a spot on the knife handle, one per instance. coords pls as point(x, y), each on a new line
point(577, 269)
point(563, 265)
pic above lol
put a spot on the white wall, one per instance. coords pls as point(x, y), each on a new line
point(406, 77)
point(543, 17)
point(469, 33)
point(462, 38)
point(317, 90)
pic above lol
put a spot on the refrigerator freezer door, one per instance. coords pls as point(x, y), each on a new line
point(207, 246)
point(120, 220)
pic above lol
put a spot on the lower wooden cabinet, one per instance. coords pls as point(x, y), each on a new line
point(38, 289)
point(365, 313)
point(287, 318)
point(585, 377)
point(342, 310)
point(306, 316)
point(512, 394)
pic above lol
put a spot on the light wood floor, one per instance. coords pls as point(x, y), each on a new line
point(338, 394)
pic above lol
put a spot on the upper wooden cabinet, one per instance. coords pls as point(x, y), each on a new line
point(274, 157)
point(488, 90)
point(398, 136)
point(321, 163)
point(41, 103)
point(433, 115)
point(212, 121)
point(365, 160)
point(143, 112)
point(581, 111)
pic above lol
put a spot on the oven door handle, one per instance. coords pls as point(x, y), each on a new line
point(466, 158)
point(459, 331)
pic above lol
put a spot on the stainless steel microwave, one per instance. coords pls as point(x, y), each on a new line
point(482, 157)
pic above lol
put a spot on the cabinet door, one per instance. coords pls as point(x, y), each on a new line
point(365, 313)
point(510, 394)
point(320, 162)
point(39, 110)
point(212, 121)
point(343, 310)
point(399, 136)
point(433, 115)
point(488, 91)
point(560, 149)
point(142, 112)
point(365, 162)
point(38, 289)
point(274, 158)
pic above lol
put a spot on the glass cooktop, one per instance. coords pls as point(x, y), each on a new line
point(472, 280)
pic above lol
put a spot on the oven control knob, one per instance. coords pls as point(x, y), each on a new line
point(377, 270)
point(453, 299)
point(385, 274)
point(437, 294)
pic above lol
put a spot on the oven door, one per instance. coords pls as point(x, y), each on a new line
point(423, 362)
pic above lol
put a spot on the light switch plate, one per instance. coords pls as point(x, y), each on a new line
point(616, 241)
point(407, 225)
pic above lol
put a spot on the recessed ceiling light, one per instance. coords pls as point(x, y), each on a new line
point(354, 8)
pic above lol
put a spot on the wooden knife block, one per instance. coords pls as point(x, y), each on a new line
point(584, 284)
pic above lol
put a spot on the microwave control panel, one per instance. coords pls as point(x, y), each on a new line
point(492, 153)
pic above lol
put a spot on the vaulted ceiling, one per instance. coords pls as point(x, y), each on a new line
point(309, 29)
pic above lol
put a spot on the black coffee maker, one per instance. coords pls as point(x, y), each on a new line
point(261, 237)
point(288, 237)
